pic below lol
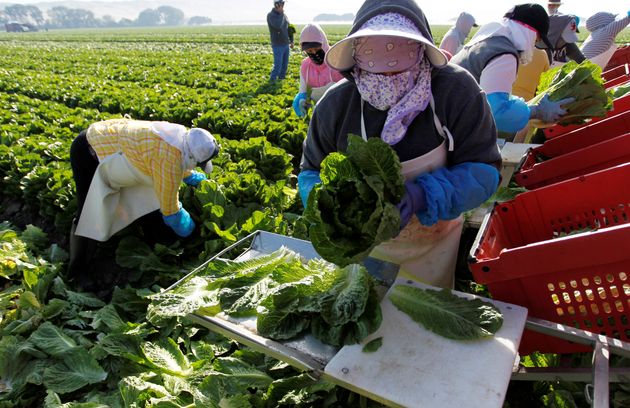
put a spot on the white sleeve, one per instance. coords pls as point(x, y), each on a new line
point(499, 74)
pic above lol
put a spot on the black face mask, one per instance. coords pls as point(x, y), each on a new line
point(318, 57)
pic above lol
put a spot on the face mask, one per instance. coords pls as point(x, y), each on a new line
point(384, 91)
point(317, 57)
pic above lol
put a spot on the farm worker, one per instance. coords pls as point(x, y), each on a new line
point(493, 57)
point(553, 6)
point(600, 45)
point(455, 37)
point(399, 87)
point(528, 76)
point(525, 85)
point(125, 169)
point(562, 35)
point(281, 39)
point(315, 75)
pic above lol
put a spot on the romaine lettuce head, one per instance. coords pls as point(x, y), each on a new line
point(354, 209)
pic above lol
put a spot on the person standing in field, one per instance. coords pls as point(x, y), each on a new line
point(315, 75)
point(455, 37)
point(281, 40)
point(553, 6)
point(398, 87)
point(600, 45)
point(125, 170)
point(493, 57)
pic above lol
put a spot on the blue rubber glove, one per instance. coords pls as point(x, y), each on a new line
point(413, 200)
point(195, 178)
point(299, 104)
point(306, 181)
point(449, 191)
point(180, 222)
point(549, 111)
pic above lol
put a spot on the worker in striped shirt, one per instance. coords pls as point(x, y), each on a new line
point(128, 169)
point(600, 45)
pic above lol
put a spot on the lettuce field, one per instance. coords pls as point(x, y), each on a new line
point(63, 348)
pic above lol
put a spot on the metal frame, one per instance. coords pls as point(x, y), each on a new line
point(314, 361)
point(599, 376)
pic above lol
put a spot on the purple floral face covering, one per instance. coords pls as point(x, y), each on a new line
point(392, 74)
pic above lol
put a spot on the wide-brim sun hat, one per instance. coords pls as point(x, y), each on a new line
point(341, 55)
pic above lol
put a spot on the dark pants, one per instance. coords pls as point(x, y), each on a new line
point(84, 166)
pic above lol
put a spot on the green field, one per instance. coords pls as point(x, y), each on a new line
point(59, 346)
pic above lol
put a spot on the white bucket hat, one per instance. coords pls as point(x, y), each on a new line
point(341, 55)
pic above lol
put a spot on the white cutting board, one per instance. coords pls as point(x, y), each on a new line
point(417, 368)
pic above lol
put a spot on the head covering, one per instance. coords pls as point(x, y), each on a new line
point(313, 33)
point(277, 1)
point(599, 20)
point(558, 23)
point(381, 54)
point(340, 56)
point(533, 15)
point(554, 2)
point(465, 23)
point(199, 147)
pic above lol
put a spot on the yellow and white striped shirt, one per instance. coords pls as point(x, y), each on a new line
point(146, 151)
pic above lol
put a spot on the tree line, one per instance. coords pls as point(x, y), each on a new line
point(64, 17)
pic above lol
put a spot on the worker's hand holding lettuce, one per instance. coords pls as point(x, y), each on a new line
point(582, 82)
point(353, 209)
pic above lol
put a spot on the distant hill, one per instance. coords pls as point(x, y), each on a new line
point(334, 17)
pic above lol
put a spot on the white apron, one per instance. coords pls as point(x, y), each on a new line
point(425, 254)
point(119, 194)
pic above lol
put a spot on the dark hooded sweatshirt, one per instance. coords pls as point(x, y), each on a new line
point(562, 50)
point(460, 105)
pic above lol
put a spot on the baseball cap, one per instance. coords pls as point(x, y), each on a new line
point(533, 15)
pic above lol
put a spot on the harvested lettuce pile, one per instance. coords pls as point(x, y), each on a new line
point(354, 209)
point(581, 81)
point(287, 296)
point(446, 314)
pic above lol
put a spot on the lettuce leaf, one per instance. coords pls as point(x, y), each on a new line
point(446, 314)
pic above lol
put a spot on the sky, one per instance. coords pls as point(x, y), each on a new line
point(303, 11)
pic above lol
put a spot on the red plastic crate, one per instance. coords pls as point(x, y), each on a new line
point(585, 136)
point(598, 156)
point(580, 280)
point(620, 105)
point(620, 57)
point(616, 72)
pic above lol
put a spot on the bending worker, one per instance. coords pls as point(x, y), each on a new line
point(399, 88)
point(315, 75)
point(126, 169)
point(493, 57)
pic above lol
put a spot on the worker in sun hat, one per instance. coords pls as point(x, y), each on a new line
point(455, 37)
point(493, 57)
point(126, 169)
point(600, 45)
point(281, 40)
point(315, 75)
point(563, 36)
point(553, 6)
point(398, 87)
